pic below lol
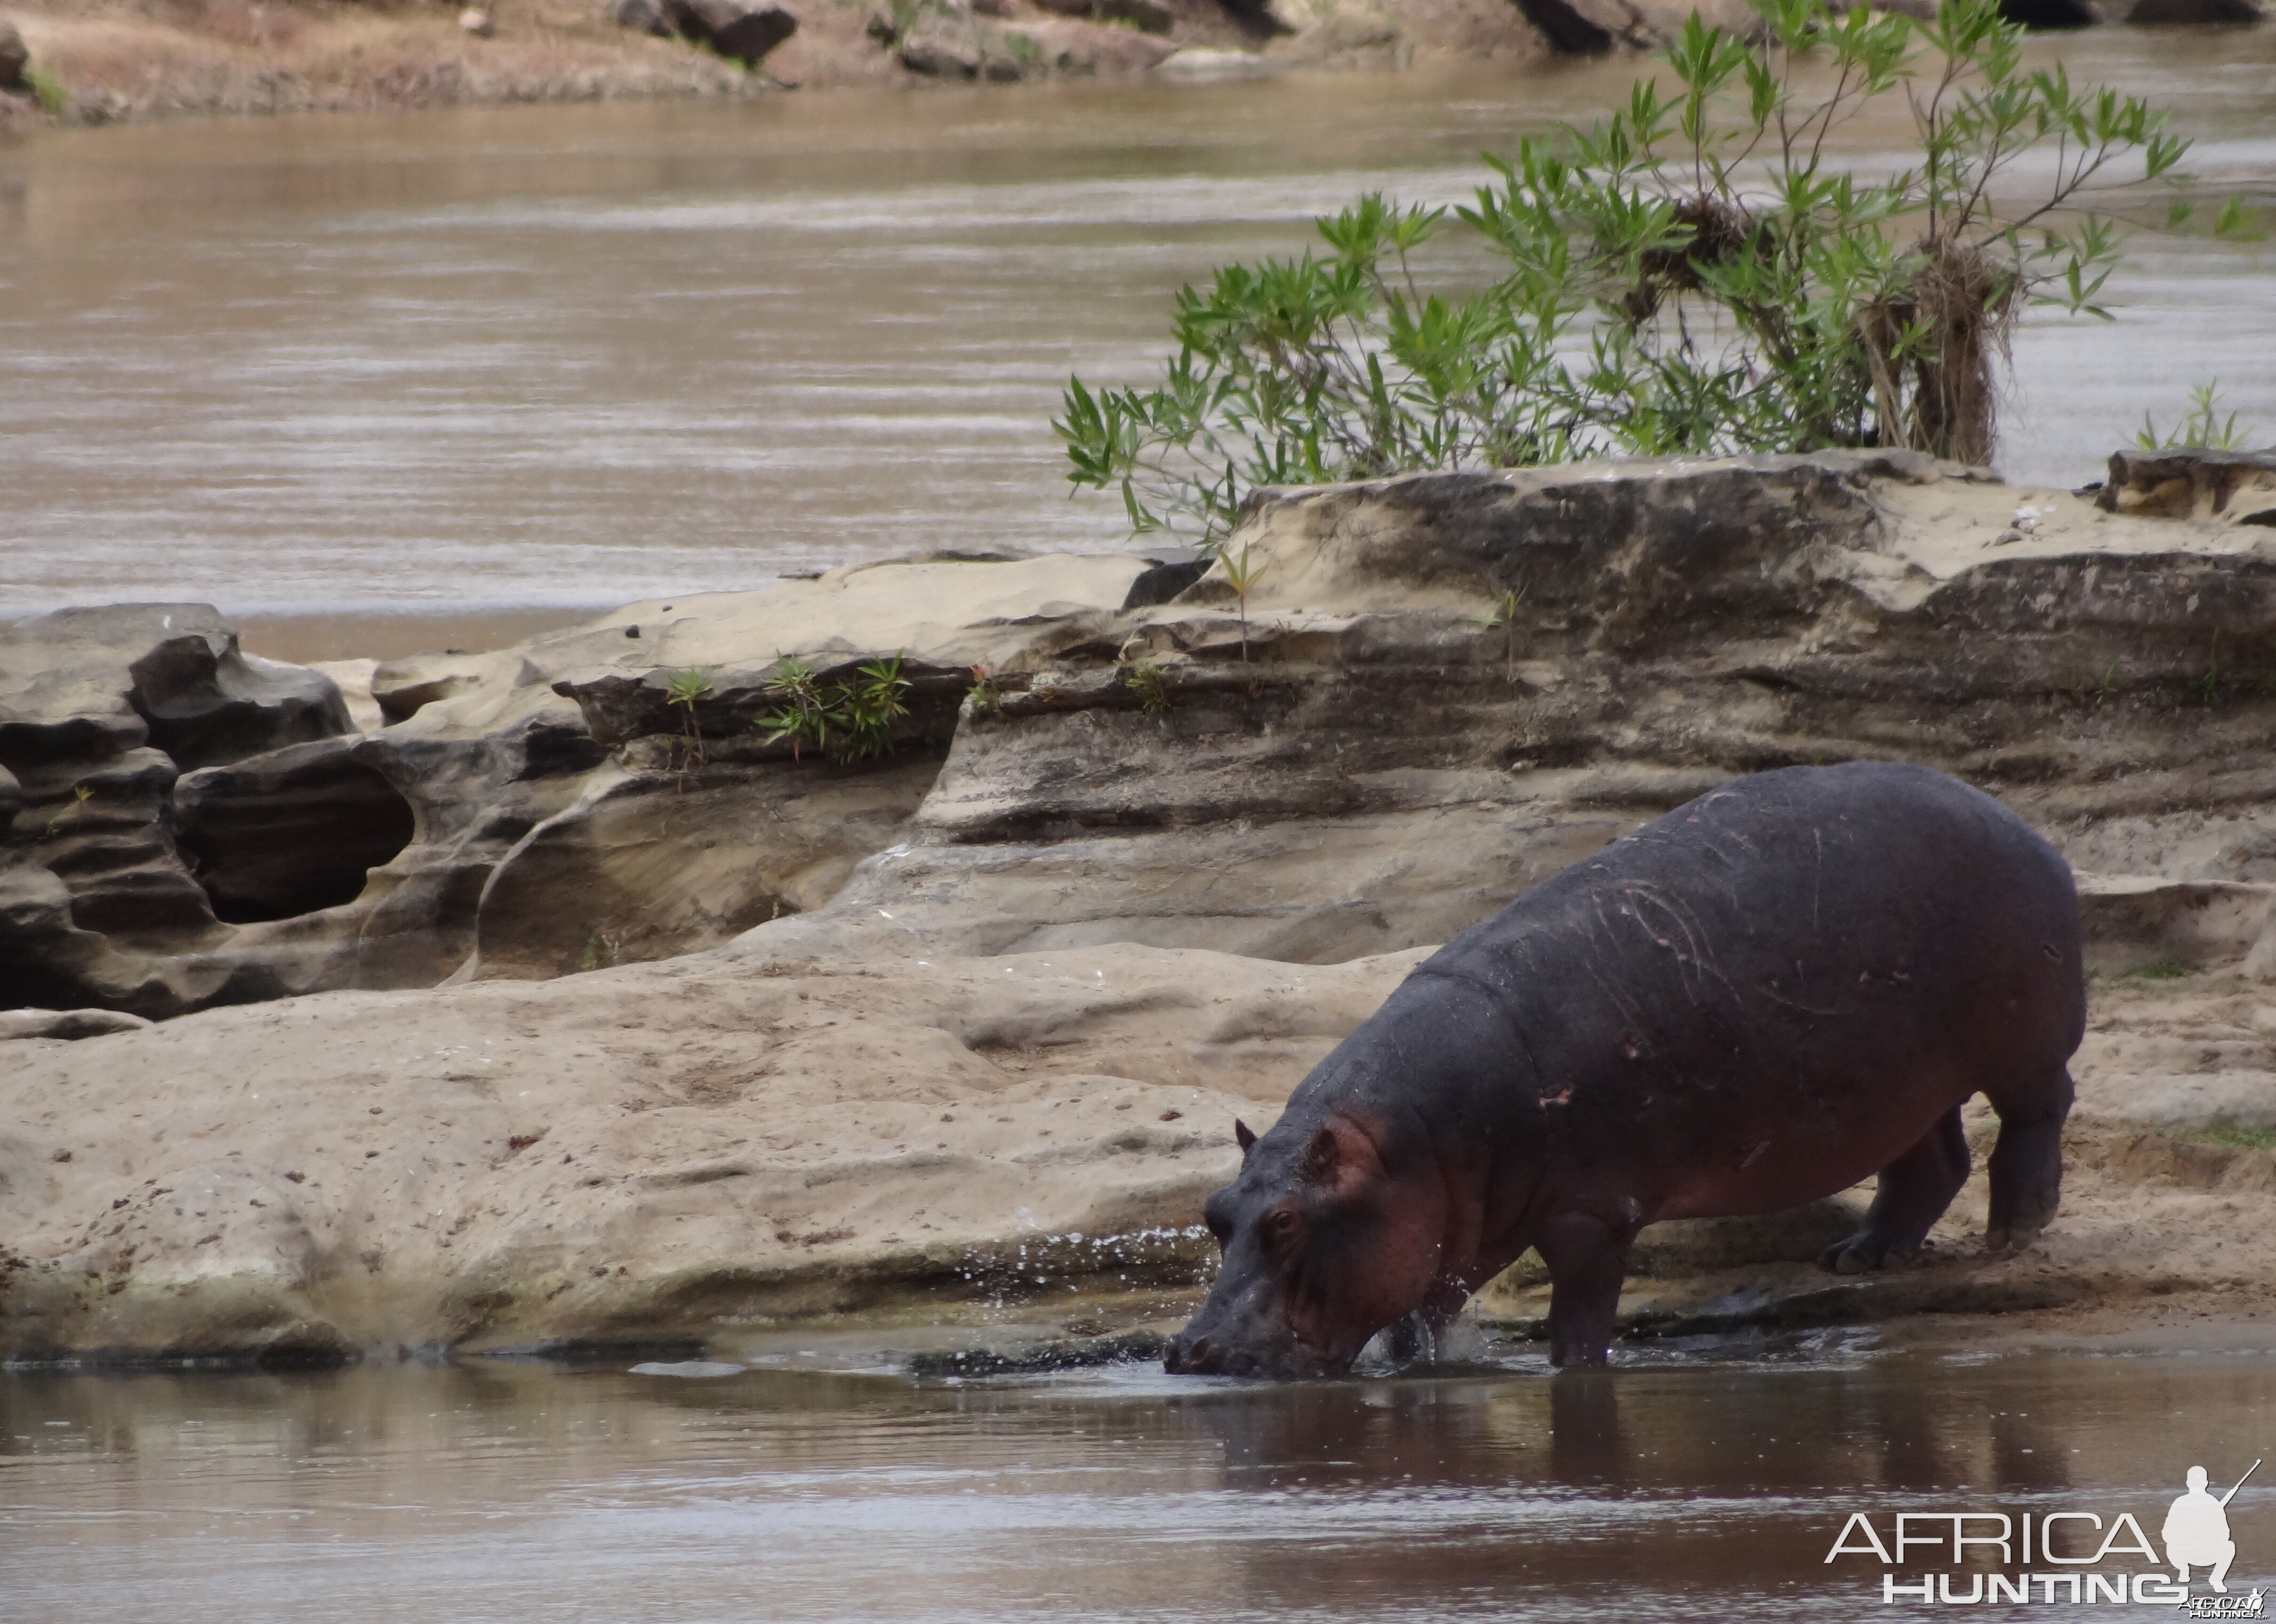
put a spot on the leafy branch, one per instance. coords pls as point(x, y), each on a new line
point(1691, 276)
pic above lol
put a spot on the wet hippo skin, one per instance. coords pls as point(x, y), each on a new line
point(1781, 987)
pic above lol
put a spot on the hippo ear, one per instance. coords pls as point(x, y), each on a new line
point(1243, 1135)
point(1322, 1154)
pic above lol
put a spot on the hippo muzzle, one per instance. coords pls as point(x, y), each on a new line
point(1321, 1248)
point(1240, 1333)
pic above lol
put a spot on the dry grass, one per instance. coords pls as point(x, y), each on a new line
point(1968, 304)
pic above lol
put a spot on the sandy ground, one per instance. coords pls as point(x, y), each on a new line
point(727, 1142)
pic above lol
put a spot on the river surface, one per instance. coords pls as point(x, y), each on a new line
point(461, 365)
point(1707, 1482)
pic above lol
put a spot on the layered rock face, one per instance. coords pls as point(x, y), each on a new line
point(101, 713)
point(1443, 689)
point(190, 826)
point(1438, 690)
point(1144, 848)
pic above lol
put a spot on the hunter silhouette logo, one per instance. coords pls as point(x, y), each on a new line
point(2067, 1556)
point(2197, 1530)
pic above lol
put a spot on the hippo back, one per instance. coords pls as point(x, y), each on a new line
point(1822, 958)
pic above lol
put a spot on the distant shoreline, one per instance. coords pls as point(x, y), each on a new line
point(107, 62)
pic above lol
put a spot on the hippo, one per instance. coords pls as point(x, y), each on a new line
point(1752, 1003)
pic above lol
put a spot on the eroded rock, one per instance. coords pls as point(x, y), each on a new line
point(1450, 686)
point(101, 711)
point(290, 832)
point(546, 807)
point(1589, 28)
point(1150, 16)
point(740, 29)
point(67, 1025)
point(653, 1147)
point(1346, 40)
point(2233, 487)
point(641, 16)
point(2164, 13)
point(15, 59)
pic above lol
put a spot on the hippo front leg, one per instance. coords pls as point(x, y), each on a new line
point(1588, 1261)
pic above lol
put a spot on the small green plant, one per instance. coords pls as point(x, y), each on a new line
point(874, 701)
point(686, 688)
point(2205, 428)
point(1143, 679)
point(1242, 570)
point(1023, 48)
point(2205, 687)
point(2239, 1135)
point(48, 90)
point(984, 694)
point(53, 827)
point(1696, 275)
point(599, 951)
point(848, 721)
point(2087, 692)
point(1503, 619)
point(2161, 969)
point(802, 718)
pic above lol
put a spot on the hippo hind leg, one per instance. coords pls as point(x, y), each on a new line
point(2027, 1161)
point(1915, 1189)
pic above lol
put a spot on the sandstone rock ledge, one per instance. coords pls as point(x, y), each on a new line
point(969, 1023)
point(701, 1147)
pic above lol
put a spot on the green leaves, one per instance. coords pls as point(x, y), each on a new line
point(2203, 428)
point(1695, 273)
point(685, 688)
point(849, 720)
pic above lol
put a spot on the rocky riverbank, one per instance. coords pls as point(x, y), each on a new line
point(623, 1024)
point(99, 61)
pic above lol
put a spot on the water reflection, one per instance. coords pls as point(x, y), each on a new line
point(1694, 1484)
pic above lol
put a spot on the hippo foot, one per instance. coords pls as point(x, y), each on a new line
point(1863, 1253)
point(2000, 1241)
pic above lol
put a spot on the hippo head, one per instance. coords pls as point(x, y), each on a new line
point(1324, 1245)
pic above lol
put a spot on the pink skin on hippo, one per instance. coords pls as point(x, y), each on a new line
point(1755, 1001)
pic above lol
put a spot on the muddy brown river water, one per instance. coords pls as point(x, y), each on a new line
point(1705, 1481)
point(453, 368)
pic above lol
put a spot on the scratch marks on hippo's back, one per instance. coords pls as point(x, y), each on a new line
point(1655, 911)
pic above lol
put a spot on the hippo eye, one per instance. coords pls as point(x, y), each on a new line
point(1280, 1224)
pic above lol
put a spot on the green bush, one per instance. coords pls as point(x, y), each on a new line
point(1692, 276)
point(2204, 427)
point(48, 90)
point(849, 720)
